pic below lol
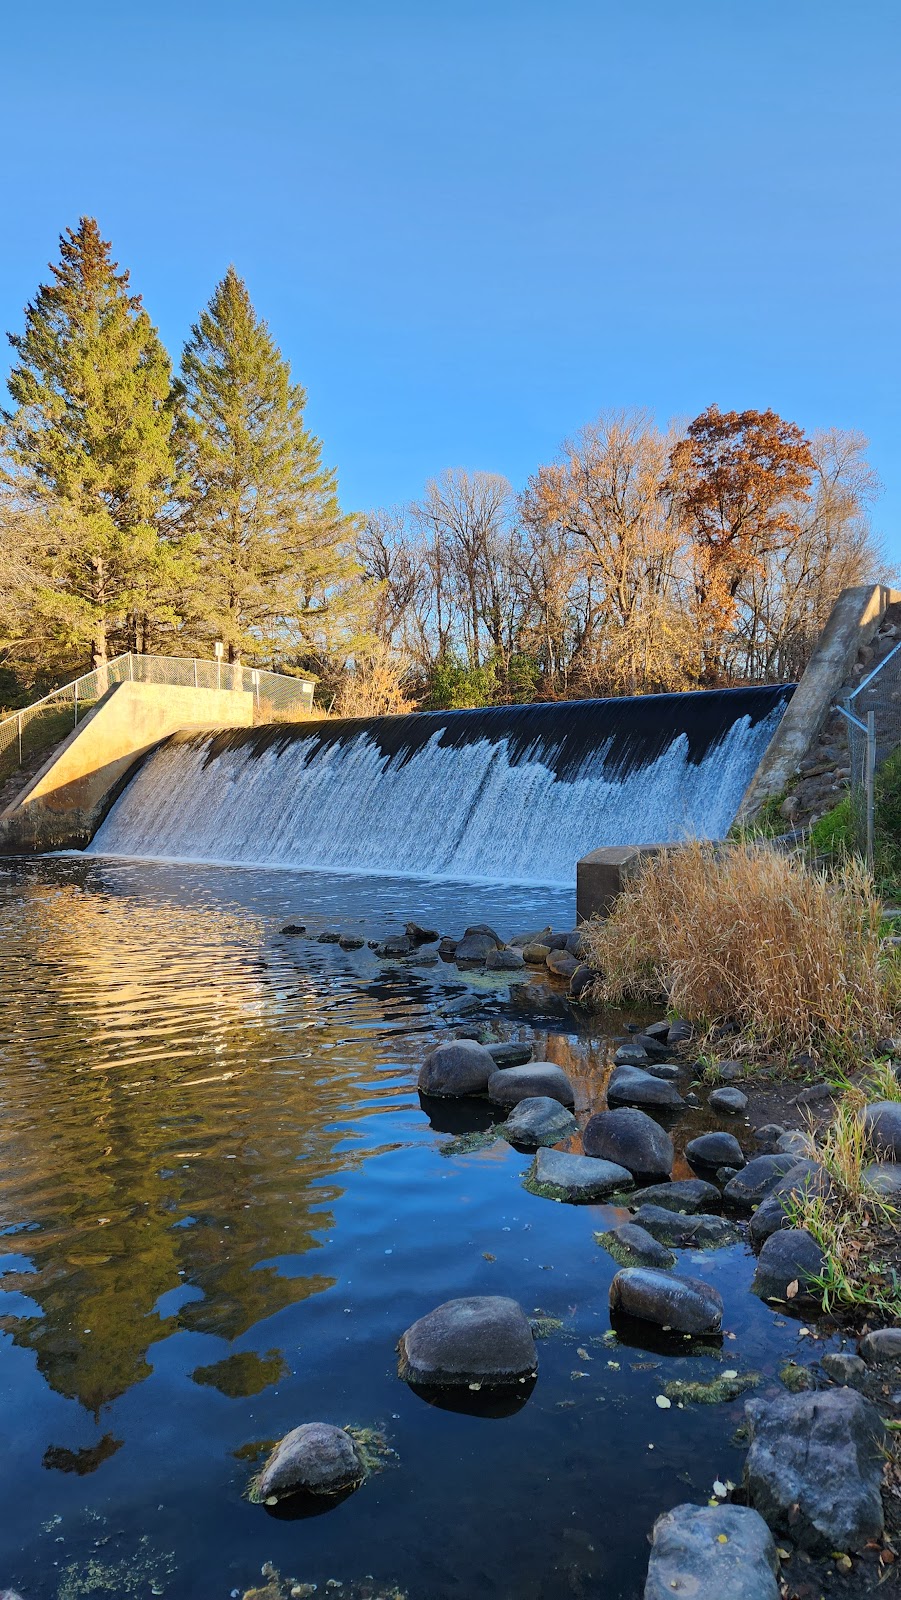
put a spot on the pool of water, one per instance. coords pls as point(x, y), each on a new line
point(221, 1203)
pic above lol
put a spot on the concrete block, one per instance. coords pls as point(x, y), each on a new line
point(602, 875)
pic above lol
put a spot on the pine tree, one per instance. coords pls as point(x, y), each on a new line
point(89, 448)
point(274, 546)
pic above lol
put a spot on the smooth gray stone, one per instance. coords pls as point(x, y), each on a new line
point(508, 1085)
point(731, 1100)
point(539, 1121)
point(794, 1142)
point(561, 964)
point(630, 1055)
point(814, 1467)
point(883, 1178)
point(683, 1194)
point(882, 1347)
point(458, 1067)
point(883, 1125)
point(657, 1030)
point(686, 1231)
point(753, 1182)
point(712, 1553)
point(630, 1138)
point(558, 1175)
point(806, 1177)
point(663, 1069)
point(520, 940)
point(679, 1032)
point(630, 1086)
point(651, 1046)
point(632, 1246)
point(513, 1053)
point(790, 1255)
point(844, 1368)
point(685, 1305)
point(312, 1459)
point(476, 947)
point(715, 1150)
point(767, 1135)
point(730, 1071)
point(504, 961)
point(479, 1339)
point(577, 945)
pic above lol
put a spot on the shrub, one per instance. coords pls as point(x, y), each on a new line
point(744, 934)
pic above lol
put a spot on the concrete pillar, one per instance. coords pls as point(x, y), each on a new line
point(603, 874)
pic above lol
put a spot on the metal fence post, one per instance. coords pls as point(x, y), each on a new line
point(75, 724)
point(871, 783)
point(195, 672)
point(19, 725)
point(131, 667)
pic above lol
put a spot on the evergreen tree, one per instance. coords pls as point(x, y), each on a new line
point(274, 546)
point(90, 449)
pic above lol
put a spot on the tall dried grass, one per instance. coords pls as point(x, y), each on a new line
point(747, 935)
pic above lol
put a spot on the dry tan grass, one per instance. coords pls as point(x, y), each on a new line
point(745, 934)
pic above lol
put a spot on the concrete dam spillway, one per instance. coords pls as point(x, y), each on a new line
point(514, 793)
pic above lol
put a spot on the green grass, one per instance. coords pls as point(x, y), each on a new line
point(835, 836)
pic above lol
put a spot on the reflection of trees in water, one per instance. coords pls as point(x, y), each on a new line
point(171, 1111)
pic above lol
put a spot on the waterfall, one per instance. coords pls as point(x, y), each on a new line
point(516, 793)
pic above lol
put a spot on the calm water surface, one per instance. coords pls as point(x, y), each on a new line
point(221, 1202)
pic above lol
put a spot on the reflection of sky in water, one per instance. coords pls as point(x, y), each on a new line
point(221, 1203)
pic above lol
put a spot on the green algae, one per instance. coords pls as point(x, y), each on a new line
point(796, 1378)
point(622, 1255)
point(147, 1572)
point(716, 1392)
point(465, 1143)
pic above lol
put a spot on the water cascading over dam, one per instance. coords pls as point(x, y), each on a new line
point(516, 793)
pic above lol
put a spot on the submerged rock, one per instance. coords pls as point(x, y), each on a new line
point(351, 941)
point(630, 1086)
point(790, 1256)
point(632, 1246)
point(458, 1067)
point(418, 935)
point(712, 1553)
point(508, 1085)
point(291, 929)
point(513, 1053)
point(397, 944)
point(814, 1467)
point(695, 1231)
point(754, 1182)
point(557, 1175)
point(712, 1150)
point(481, 1339)
point(630, 1138)
point(685, 1305)
point(312, 1459)
point(329, 937)
point(538, 1121)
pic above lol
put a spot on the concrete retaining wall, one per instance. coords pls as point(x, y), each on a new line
point(852, 623)
point(64, 804)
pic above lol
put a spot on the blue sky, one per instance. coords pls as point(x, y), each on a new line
point(474, 224)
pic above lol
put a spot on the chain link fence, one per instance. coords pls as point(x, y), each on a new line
point(872, 715)
point(37, 726)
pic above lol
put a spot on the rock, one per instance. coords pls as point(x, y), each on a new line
point(349, 941)
point(667, 1070)
point(535, 955)
point(712, 1553)
point(632, 1246)
point(685, 1231)
point(725, 1175)
point(684, 1305)
point(397, 944)
point(485, 928)
point(651, 1046)
point(805, 1177)
point(475, 947)
point(329, 937)
point(715, 1150)
point(504, 961)
point(312, 1459)
point(814, 1467)
point(816, 1094)
point(512, 1053)
point(580, 980)
point(560, 1176)
point(484, 1339)
point(556, 941)
point(631, 1139)
point(679, 1032)
point(629, 1086)
point(883, 1124)
point(789, 1256)
point(754, 1181)
point(882, 1347)
point(683, 1194)
point(767, 1135)
point(458, 1067)
point(523, 939)
point(844, 1368)
point(418, 935)
point(577, 945)
point(731, 1100)
point(447, 949)
point(293, 929)
point(539, 1121)
point(658, 1030)
point(561, 963)
point(883, 1178)
point(729, 1071)
point(630, 1055)
point(794, 1142)
point(509, 1085)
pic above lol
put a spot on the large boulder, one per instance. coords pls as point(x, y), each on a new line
point(814, 1467)
point(484, 1339)
point(712, 1150)
point(504, 961)
point(508, 1085)
point(312, 1459)
point(806, 1177)
point(684, 1305)
point(557, 1175)
point(458, 1067)
point(683, 1194)
point(536, 953)
point(540, 1121)
point(697, 1231)
point(712, 1553)
point(629, 1086)
point(475, 947)
point(632, 1246)
point(789, 1256)
point(753, 1182)
point(630, 1138)
point(883, 1125)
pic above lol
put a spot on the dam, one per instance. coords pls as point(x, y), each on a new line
point(513, 793)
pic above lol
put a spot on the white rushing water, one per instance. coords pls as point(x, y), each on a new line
point(465, 810)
